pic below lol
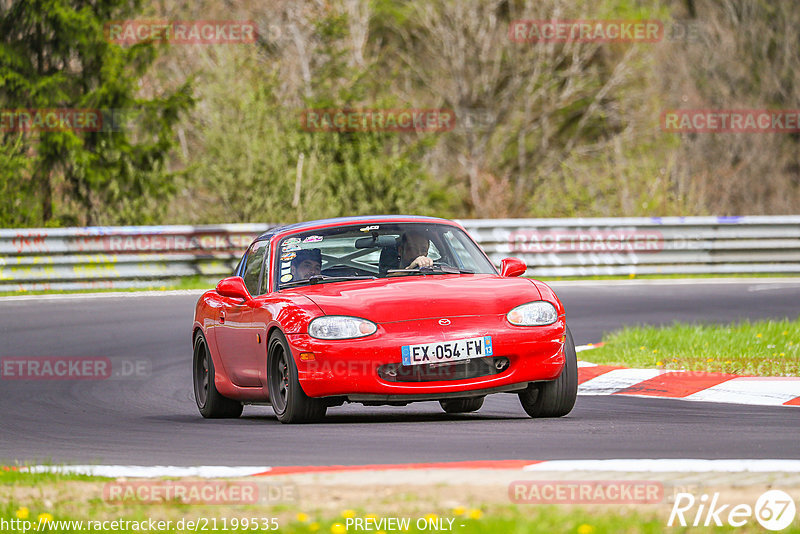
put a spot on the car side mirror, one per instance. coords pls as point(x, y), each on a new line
point(512, 267)
point(233, 287)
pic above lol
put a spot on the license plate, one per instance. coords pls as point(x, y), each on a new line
point(447, 351)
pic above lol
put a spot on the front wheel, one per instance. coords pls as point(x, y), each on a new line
point(210, 402)
point(289, 401)
point(557, 397)
point(472, 404)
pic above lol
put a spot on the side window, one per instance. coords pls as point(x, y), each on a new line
point(252, 268)
point(433, 252)
point(238, 268)
point(463, 257)
point(265, 277)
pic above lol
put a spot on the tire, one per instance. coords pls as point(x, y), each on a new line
point(210, 402)
point(557, 397)
point(289, 401)
point(472, 404)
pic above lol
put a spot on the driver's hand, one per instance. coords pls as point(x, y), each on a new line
point(421, 261)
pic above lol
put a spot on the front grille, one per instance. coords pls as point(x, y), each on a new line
point(461, 370)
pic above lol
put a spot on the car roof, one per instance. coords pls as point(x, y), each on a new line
point(308, 225)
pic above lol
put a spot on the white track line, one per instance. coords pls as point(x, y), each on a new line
point(669, 465)
point(616, 380)
point(768, 391)
point(665, 465)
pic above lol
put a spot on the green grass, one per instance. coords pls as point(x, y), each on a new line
point(11, 476)
point(60, 498)
point(762, 348)
point(523, 519)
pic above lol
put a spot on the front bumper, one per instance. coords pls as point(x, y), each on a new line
point(351, 367)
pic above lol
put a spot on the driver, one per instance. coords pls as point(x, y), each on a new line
point(413, 250)
point(306, 264)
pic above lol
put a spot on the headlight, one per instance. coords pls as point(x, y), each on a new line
point(340, 327)
point(537, 313)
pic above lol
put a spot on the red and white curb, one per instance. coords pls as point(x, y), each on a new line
point(596, 379)
point(659, 465)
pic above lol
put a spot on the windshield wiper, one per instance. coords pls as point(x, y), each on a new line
point(436, 269)
point(318, 278)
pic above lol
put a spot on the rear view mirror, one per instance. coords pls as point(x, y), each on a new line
point(382, 241)
point(512, 267)
point(233, 287)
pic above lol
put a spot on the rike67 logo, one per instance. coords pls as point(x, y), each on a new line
point(774, 510)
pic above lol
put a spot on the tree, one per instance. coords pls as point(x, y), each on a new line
point(522, 108)
point(18, 207)
point(745, 55)
point(54, 55)
point(247, 144)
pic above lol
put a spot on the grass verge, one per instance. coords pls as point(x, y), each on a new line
point(544, 520)
point(65, 517)
point(52, 502)
point(761, 348)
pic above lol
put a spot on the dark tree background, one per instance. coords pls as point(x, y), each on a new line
point(212, 133)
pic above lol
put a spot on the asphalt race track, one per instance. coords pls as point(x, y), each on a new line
point(151, 419)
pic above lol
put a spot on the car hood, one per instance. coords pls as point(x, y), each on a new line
point(421, 297)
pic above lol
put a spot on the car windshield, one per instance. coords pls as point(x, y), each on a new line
point(377, 251)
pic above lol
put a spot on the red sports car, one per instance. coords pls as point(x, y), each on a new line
point(378, 310)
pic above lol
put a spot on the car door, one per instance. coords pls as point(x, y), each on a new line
point(238, 338)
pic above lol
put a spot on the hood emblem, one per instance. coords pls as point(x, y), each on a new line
point(444, 322)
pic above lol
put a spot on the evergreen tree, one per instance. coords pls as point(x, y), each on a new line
point(54, 55)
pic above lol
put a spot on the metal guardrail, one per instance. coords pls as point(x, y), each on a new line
point(118, 257)
point(636, 246)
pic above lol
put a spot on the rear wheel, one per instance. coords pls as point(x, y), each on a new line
point(557, 397)
point(471, 404)
point(289, 401)
point(209, 401)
